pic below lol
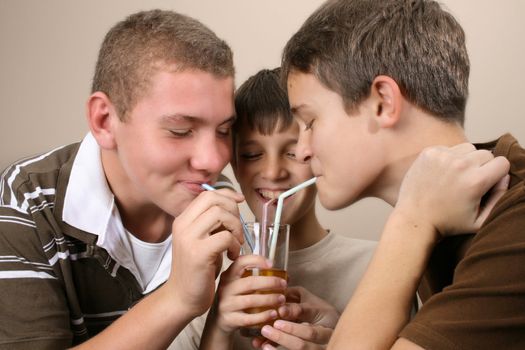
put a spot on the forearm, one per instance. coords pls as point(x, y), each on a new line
point(153, 323)
point(380, 306)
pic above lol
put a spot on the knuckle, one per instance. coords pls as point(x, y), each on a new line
point(464, 147)
point(251, 299)
point(460, 164)
point(476, 183)
point(296, 310)
point(244, 321)
point(215, 210)
point(311, 333)
point(208, 195)
point(277, 337)
point(431, 152)
point(487, 153)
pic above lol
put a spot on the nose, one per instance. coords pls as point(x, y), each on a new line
point(303, 150)
point(210, 154)
point(274, 169)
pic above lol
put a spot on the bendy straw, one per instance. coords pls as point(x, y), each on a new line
point(247, 236)
point(279, 210)
point(264, 223)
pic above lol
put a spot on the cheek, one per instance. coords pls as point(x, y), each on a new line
point(225, 151)
point(304, 172)
point(319, 144)
point(140, 157)
point(248, 169)
point(308, 197)
point(244, 176)
point(166, 158)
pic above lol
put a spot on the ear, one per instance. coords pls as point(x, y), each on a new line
point(101, 116)
point(388, 101)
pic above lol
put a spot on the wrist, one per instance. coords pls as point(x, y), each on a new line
point(411, 227)
point(213, 335)
point(213, 321)
point(176, 308)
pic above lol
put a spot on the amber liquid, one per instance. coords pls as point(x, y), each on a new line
point(255, 330)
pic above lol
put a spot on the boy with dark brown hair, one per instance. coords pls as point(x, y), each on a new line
point(380, 87)
point(324, 267)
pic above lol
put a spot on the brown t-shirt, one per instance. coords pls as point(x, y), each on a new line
point(482, 304)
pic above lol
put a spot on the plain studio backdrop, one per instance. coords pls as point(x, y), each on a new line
point(49, 48)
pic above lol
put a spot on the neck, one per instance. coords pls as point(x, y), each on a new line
point(306, 231)
point(405, 144)
point(141, 217)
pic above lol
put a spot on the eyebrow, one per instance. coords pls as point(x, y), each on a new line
point(192, 119)
point(248, 143)
point(230, 120)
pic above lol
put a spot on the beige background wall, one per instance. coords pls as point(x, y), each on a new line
point(48, 51)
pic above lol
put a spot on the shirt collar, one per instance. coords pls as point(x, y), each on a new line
point(88, 201)
point(89, 205)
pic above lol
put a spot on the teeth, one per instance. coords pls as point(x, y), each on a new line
point(270, 194)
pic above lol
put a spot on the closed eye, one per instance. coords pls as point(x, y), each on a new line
point(250, 155)
point(224, 132)
point(181, 133)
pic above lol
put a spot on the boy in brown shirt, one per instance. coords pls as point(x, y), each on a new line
point(375, 86)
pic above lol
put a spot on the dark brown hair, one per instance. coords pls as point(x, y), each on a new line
point(261, 103)
point(347, 43)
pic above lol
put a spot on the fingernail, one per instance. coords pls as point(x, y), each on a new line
point(282, 299)
point(278, 324)
point(506, 182)
point(269, 263)
point(266, 331)
point(273, 314)
point(284, 283)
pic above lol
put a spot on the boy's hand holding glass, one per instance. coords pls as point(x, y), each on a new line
point(236, 294)
point(307, 322)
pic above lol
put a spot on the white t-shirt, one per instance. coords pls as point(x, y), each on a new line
point(147, 256)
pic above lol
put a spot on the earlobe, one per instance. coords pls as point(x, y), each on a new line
point(100, 115)
point(388, 101)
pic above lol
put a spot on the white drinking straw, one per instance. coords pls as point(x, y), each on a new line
point(264, 223)
point(247, 236)
point(279, 209)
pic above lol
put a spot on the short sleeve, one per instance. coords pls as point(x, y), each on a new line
point(484, 307)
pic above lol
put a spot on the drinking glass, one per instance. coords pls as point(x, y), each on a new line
point(259, 243)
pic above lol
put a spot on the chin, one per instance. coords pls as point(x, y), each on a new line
point(177, 204)
point(334, 202)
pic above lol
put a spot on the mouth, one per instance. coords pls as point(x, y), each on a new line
point(194, 186)
point(267, 194)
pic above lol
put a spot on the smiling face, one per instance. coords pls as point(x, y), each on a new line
point(343, 150)
point(174, 139)
point(266, 167)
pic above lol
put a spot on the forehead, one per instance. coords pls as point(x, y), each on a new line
point(280, 127)
point(308, 95)
point(192, 93)
point(278, 138)
point(303, 88)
